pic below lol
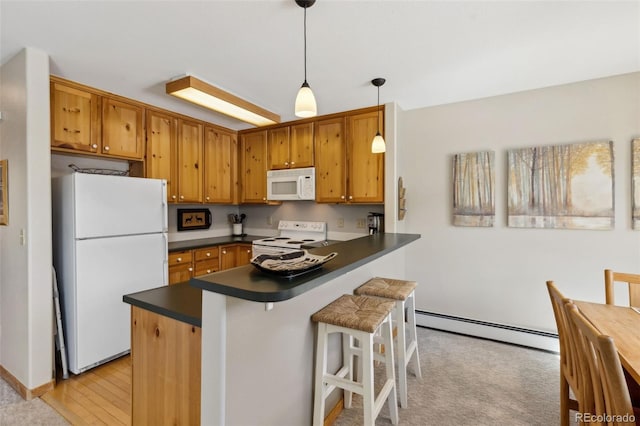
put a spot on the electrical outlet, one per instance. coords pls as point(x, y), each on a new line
point(341, 223)
point(360, 223)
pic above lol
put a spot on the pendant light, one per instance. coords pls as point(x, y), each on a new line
point(305, 101)
point(378, 145)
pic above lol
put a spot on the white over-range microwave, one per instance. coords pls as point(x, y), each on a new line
point(291, 184)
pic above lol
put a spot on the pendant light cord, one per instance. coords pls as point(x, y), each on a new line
point(305, 44)
point(378, 109)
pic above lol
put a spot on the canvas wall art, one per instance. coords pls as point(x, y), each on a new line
point(635, 182)
point(473, 189)
point(561, 186)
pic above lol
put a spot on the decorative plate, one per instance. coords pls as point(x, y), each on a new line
point(290, 264)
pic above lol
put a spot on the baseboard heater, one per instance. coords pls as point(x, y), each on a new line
point(488, 330)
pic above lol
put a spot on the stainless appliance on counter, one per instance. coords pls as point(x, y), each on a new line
point(375, 222)
point(292, 236)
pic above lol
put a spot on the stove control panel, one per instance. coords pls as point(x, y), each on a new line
point(293, 225)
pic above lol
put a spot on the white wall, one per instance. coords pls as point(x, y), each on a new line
point(26, 338)
point(498, 274)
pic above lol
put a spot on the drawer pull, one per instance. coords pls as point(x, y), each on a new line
point(179, 259)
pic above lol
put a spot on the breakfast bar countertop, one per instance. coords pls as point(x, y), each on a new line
point(246, 282)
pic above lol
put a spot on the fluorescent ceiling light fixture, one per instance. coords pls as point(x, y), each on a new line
point(197, 91)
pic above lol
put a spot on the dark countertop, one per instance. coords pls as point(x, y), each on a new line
point(208, 242)
point(181, 302)
point(246, 282)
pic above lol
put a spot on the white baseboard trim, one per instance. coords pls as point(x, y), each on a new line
point(500, 332)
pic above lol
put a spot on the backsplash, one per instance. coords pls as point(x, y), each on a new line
point(263, 220)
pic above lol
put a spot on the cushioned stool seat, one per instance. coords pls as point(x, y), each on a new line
point(359, 318)
point(402, 293)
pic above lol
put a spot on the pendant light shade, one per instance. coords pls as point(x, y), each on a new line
point(377, 145)
point(305, 101)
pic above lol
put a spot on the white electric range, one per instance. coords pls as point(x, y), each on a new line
point(292, 236)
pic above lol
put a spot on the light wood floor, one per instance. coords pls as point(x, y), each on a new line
point(100, 396)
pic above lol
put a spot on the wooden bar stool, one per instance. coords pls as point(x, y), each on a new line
point(356, 317)
point(402, 292)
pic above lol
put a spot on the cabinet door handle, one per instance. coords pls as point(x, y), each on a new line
point(179, 259)
point(190, 269)
point(286, 163)
point(106, 148)
point(94, 146)
point(342, 197)
point(208, 254)
point(208, 271)
point(224, 252)
point(182, 197)
point(207, 198)
point(351, 197)
point(293, 163)
point(173, 197)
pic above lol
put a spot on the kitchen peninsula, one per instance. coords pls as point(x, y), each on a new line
point(257, 358)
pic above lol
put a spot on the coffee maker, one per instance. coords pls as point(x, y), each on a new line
point(375, 222)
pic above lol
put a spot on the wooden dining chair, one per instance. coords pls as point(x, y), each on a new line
point(570, 373)
point(633, 283)
point(600, 364)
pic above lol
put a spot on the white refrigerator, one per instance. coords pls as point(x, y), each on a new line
point(109, 239)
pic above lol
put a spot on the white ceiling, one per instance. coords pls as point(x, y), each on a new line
point(430, 52)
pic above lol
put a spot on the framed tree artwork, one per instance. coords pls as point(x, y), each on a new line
point(561, 186)
point(4, 207)
point(635, 182)
point(473, 189)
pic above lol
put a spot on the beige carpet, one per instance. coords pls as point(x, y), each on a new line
point(15, 411)
point(469, 381)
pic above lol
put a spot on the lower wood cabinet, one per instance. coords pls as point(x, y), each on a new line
point(191, 263)
point(180, 266)
point(165, 367)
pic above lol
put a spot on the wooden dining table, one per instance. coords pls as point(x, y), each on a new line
point(623, 325)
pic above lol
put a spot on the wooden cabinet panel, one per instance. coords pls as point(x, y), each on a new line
point(220, 160)
point(365, 169)
point(206, 253)
point(122, 129)
point(301, 145)
point(330, 160)
point(254, 167)
point(165, 370)
point(189, 161)
point(75, 119)
point(244, 254)
point(180, 257)
point(206, 267)
point(278, 148)
point(161, 150)
point(180, 273)
point(290, 147)
point(228, 256)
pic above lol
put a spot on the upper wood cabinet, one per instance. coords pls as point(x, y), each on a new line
point(189, 151)
point(221, 168)
point(330, 153)
point(291, 146)
point(346, 170)
point(75, 118)
point(254, 167)
point(162, 134)
point(122, 129)
point(84, 120)
point(365, 170)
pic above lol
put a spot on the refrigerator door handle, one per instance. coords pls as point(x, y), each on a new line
point(165, 214)
point(165, 262)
